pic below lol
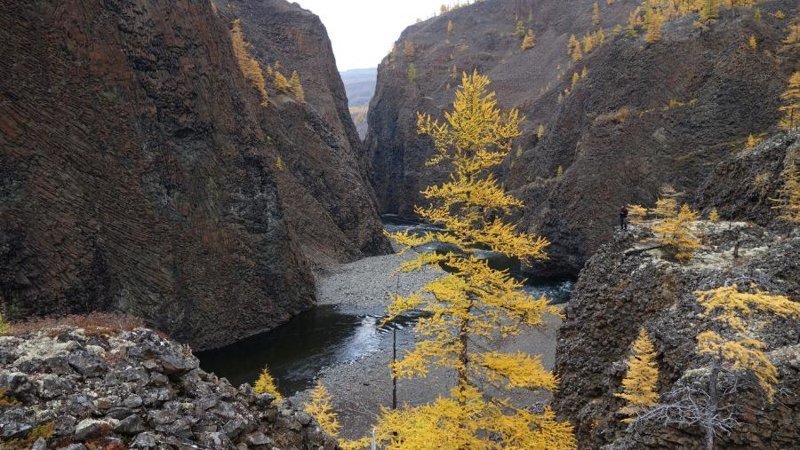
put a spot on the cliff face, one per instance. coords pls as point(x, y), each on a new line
point(139, 173)
point(620, 291)
point(133, 389)
point(638, 119)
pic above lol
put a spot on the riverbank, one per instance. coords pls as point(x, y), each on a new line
point(361, 387)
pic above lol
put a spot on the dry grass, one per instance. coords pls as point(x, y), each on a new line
point(97, 323)
point(617, 116)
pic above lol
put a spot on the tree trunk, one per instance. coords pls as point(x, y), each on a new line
point(713, 403)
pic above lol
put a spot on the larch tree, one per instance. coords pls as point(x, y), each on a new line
point(529, 40)
point(666, 208)
point(265, 384)
point(449, 26)
point(296, 86)
point(637, 213)
point(473, 303)
point(574, 48)
point(791, 103)
point(641, 378)
point(713, 216)
point(675, 234)
point(320, 406)
point(788, 201)
point(735, 361)
point(709, 10)
point(596, 17)
point(654, 22)
point(280, 82)
point(250, 68)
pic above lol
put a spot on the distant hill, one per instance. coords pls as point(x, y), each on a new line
point(360, 86)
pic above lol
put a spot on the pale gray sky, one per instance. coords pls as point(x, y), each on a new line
point(363, 31)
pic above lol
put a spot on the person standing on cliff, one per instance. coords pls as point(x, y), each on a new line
point(623, 218)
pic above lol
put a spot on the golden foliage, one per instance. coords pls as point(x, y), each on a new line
point(666, 208)
point(713, 216)
point(637, 213)
point(761, 182)
point(247, 64)
point(735, 309)
point(596, 17)
point(44, 431)
point(320, 407)
point(753, 141)
point(466, 420)
point(529, 40)
point(559, 171)
point(727, 304)
point(752, 42)
point(710, 10)
point(788, 201)
point(296, 87)
point(540, 131)
point(280, 82)
point(675, 234)
point(654, 23)
point(265, 384)
point(793, 35)
point(449, 26)
point(4, 326)
point(641, 378)
point(791, 103)
point(574, 48)
point(474, 300)
point(279, 166)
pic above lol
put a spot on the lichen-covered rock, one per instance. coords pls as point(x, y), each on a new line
point(622, 289)
point(138, 399)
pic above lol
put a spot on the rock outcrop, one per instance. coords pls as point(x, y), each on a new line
point(79, 388)
point(636, 119)
point(621, 290)
point(140, 169)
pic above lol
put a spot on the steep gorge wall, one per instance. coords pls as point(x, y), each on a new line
point(139, 173)
point(640, 119)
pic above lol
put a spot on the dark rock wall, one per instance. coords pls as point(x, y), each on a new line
point(139, 174)
point(617, 294)
point(615, 135)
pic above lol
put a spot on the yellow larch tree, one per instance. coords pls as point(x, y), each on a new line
point(666, 208)
point(449, 26)
point(788, 201)
point(793, 35)
point(639, 384)
point(247, 64)
point(473, 302)
point(540, 131)
point(296, 86)
point(265, 384)
point(280, 82)
point(675, 234)
point(791, 103)
point(637, 213)
point(732, 346)
point(654, 24)
point(529, 40)
point(320, 406)
point(574, 48)
point(752, 42)
point(596, 17)
point(752, 141)
point(713, 216)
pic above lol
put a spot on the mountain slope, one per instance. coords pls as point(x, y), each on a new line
point(140, 172)
point(636, 120)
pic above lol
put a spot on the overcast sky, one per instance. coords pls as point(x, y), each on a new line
point(363, 31)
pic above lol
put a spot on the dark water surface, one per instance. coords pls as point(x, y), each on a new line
point(296, 351)
point(326, 336)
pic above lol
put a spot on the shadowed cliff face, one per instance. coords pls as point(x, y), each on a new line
point(139, 173)
point(643, 116)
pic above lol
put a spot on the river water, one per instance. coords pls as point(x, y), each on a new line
point(324, 336)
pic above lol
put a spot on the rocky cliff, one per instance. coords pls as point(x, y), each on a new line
point(95, 387)
point(636, 119)
point(621, 290)
point(142, 172)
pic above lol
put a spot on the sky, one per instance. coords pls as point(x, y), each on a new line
point(363, 31)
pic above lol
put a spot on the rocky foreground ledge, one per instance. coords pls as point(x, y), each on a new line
point(87, 388)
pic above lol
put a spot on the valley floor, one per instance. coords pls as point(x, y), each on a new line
point(362, 387)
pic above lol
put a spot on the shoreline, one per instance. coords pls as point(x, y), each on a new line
point(361, 387)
